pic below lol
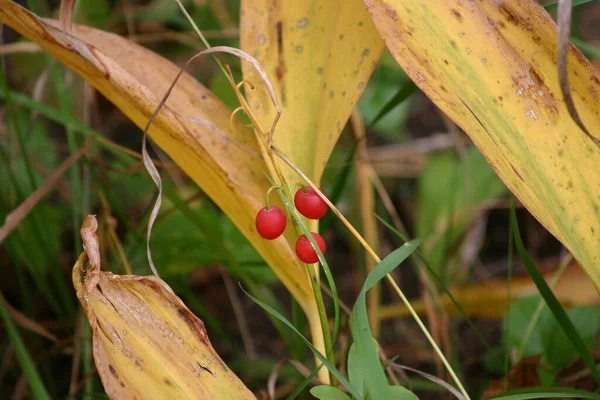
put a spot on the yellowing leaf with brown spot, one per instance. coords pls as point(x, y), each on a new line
point(490, 299)
point(135, 79)
point(319, 56)
point(147, 344)
point(491, 66)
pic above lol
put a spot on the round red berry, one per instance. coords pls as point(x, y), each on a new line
point(271, 223)
point(305, 251)
point(309, 204)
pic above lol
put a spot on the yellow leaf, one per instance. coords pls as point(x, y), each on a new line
point(491, 66)
point(490, 299)
point(147, 344)
point(319, 56)
point(135, 79)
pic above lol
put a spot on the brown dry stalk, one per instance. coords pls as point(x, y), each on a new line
point(27, 322)
point(301, 368)
point(18, 214)
point(366, 202)
point(65, 14)
point(19, 47)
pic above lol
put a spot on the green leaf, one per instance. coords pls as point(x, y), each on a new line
point(448, 192)
point(354, 370)
point(558, 350)
point(367, 352)
point(552, 302)
point(402, 393)
point(546, 393)
point(518, 317)
point(325, 392)
point(407, 90)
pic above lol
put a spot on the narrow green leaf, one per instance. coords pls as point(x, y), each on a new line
point(546, 393)
point(38, 390)
point(405, 92)
point(553, 304)
point(372, 370)
point(317, 353)
point(324, 392)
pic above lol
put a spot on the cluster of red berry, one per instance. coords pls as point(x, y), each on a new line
point(271, 222)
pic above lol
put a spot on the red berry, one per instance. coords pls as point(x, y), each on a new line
point(305, 251)
point(271, 223)
point(309, 204)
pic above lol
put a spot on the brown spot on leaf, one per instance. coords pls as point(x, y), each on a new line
point(508, 13)
point(536, 77)
point(168, 382)
point(390, 12)
point(456, 14)
point(517, 173)
point(113, 371)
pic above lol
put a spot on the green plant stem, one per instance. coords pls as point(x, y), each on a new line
point(314, 280)
point(509, 279)
point(87, 358)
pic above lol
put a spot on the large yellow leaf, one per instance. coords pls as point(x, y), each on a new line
point(319, 56)
point(135, 79)
point(491, 66)
point(147, 343)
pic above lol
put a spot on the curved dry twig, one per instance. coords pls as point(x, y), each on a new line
point(152, 170)
point(565, 8)
point(301, 368)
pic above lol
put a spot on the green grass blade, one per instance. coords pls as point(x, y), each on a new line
point(509, 280)
point(552, 302)
point(404, 93)
point(366, 347)
point(546, 393)
point(56, 116)
point(38, 390)
point(317, 353)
